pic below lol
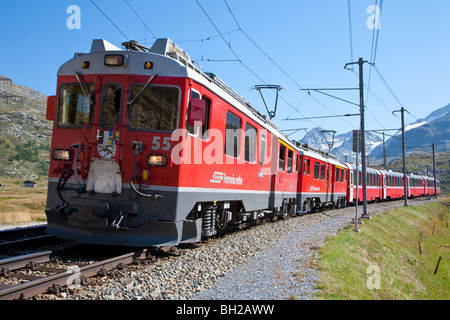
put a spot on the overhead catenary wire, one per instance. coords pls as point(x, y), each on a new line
point(238, 58)
point(109, 19)
point(137, 14)
point(275, 63)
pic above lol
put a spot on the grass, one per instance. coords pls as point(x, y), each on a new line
point(383, 262)
point(19, 204)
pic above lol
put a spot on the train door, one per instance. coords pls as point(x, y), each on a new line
point(334, 176)
point(408, 187)
point(274, 164)
point(327, 179)
point(350, 185)
point(384, 187)
point(104, 169)
point(110, 119)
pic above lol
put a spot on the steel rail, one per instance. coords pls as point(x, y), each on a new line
point(35, 287)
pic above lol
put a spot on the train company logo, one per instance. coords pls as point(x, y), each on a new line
point(313, 188)
point(219, 177)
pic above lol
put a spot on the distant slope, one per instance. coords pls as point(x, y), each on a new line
point(25, 134)
point(342, 144)
point(419, 136)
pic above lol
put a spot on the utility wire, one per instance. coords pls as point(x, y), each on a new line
point(140, 18)
point(350, 33)
point(276, 64)
point(260, 49)
point(106, 16)
point(240, 61)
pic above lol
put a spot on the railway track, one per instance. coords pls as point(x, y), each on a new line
point(23, 237)
point(29, 275)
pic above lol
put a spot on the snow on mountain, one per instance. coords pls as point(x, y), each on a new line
point(342, 144)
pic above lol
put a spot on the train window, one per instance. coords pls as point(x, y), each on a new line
point(250, 143)
point(192, 129)
point(112, 99)
point(342, 175)
point(153, 108)
point(337, 174)
point(307, 166)
point(289, 162)
point(262, 151)
point(316, 170)
point(205, 126)
point(233, 135)
point(282, 157)
point(76, 105)
point(322, 171)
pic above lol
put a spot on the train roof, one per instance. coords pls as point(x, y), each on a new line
point(168, 60)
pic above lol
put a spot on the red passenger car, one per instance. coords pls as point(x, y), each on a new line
point(149, 150)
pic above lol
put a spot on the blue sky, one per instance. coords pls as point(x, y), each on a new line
point(305, 44)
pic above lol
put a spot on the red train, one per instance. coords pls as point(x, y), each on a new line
point(148, 150)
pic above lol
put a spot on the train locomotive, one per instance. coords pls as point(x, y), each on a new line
point(149, 150)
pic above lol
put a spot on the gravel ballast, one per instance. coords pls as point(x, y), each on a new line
point(268, 261)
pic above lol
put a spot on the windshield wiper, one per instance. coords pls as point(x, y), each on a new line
point(82, 85)
point(145, 86)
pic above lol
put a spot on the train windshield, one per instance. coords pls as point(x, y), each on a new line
point(76, 105)
point(112, 99)
point(153, 108)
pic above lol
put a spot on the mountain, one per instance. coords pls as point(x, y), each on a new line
point(342, 144)
point(25, 134)
point(435, 128)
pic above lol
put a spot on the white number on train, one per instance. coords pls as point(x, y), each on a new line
point(156, 144)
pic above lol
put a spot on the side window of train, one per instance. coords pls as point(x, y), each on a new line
point(205, 126)
point(282, 158)
point(316, 170)
point(322, 171)
point(306, 168)
point(289, 160)
point(337, 174)
point(250, 143)
point(192, 129)
point(262, 150)
point(233, 135)
point(111, 101)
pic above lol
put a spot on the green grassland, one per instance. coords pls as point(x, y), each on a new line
point(384, 261)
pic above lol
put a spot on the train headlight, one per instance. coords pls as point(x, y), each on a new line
point(61, 154)
point(158, 160)
point(114, 60)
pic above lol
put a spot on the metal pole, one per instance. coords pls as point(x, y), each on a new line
point(404, 156)
point(363, 139)
point(384, 154)
point(357, 184)
point(434, 172)
point(402, 110)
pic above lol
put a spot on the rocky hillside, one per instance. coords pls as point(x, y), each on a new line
point(419, 136)
point(25, 134)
